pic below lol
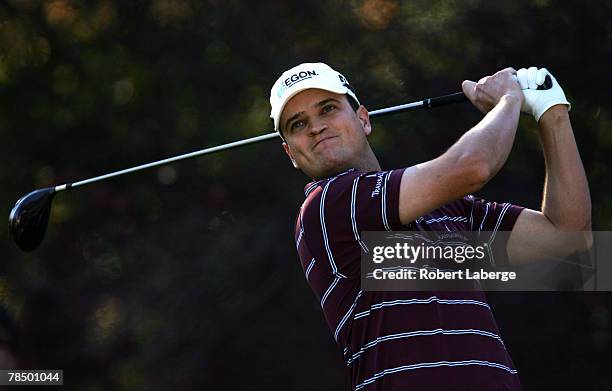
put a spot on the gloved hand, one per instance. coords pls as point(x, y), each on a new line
point(538, 101)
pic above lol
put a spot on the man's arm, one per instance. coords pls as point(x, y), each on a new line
point(566, 206)
point(475, 158)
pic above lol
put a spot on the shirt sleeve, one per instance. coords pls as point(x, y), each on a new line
point(491, 218)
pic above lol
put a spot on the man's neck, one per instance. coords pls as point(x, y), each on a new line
point(367, 163)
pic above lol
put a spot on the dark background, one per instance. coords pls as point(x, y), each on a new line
point(186, 276)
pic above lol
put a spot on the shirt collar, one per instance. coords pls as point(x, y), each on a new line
point(313, 185)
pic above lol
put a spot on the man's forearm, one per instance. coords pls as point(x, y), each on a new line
point(566, 201)
point(493, 136)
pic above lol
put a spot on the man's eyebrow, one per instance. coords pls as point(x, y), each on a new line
point(325, 101)
point(318, 104)
point(295, 116)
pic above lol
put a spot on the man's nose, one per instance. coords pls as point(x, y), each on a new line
point(317, 127)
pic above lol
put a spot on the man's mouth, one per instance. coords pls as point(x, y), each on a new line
point(322, 140)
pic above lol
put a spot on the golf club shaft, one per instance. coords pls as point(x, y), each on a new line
point(423, 104)
point(168, 160)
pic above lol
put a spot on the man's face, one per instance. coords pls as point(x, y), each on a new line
point(323, 134)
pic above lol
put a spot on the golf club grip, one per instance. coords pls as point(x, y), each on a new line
point(445, 100)
point(547, 85)
point(460, 96)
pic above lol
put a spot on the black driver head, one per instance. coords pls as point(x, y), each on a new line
point(29, 218)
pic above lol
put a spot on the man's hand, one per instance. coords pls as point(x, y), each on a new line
point(489, 90)
point(538, 101)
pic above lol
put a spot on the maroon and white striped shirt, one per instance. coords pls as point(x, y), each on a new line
point(399, 340)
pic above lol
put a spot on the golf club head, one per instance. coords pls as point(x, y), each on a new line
point(29, 218)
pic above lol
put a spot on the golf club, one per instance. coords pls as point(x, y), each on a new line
point(29, 217)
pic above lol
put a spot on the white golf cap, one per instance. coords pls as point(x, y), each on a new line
point(303, 77)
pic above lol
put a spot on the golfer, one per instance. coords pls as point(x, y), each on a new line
point(420, 340)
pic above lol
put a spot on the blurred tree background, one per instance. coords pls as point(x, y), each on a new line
point(186, 277)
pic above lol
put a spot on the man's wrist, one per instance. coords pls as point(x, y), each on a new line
point(554, 115)
point(512, 99)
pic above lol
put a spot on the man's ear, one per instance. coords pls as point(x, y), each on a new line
point(364, 118)
point(288, 152)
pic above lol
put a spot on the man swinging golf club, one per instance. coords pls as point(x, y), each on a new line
point(421, 340)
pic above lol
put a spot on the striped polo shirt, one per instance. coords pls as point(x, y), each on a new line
point(399, 340)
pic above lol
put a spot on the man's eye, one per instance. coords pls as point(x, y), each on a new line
point(328, 108)
point(297, 124)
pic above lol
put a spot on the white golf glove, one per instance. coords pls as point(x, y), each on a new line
point(538, 101)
